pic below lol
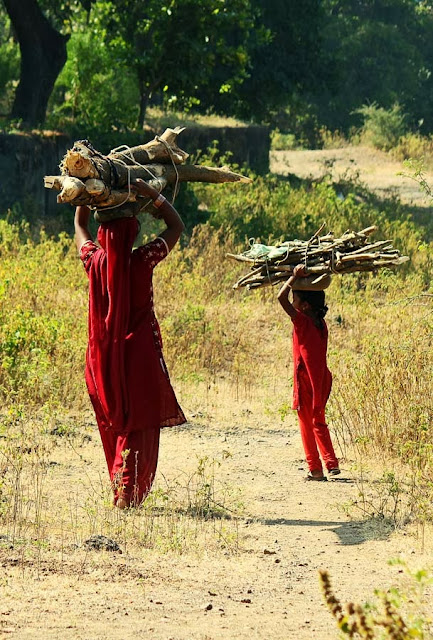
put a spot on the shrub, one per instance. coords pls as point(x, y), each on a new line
point(414, 146)
point(382, 128)
point(283, 141)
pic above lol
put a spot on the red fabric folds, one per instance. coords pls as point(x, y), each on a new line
point(314, 430)
point(109, 309)
point(310, 344)
point(312, 382)
point(131, 475)
point(125, 371)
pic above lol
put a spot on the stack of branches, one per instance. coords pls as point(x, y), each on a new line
point(322, 256)
point(103, 182)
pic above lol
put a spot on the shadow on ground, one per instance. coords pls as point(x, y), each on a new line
point(348, 533)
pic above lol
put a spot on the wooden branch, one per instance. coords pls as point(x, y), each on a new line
point(199, 173)
point(323, 256)
point(102, 182)
point(83, 161)
point(162, 149)
point(91, 192)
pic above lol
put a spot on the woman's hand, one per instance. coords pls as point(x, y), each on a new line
point(300, 271)
point(144, 189)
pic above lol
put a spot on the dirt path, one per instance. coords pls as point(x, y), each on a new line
point(375, 168)
point(268, 589)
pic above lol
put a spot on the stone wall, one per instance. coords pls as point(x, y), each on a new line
point(248, 146)
point(24, 161)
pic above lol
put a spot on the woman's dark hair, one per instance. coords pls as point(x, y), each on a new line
point(316, 300)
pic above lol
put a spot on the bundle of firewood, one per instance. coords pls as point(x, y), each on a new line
point(322, 256)
point(103, 182)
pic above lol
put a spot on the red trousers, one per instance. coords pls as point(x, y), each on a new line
point(131, 460)
point(314, 430)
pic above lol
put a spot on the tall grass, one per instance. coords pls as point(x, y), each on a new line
point(380, 334)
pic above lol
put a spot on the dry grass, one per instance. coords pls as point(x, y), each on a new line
point(52, 498)
point(217, 341)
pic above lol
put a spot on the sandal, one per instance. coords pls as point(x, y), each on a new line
point(310, 477)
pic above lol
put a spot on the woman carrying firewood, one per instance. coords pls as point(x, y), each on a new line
point(126, 376)
point(312, 378)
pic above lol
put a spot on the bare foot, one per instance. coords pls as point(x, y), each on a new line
point(316, 475)
point(122, 503)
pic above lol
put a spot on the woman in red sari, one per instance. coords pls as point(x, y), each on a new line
point(126, 376)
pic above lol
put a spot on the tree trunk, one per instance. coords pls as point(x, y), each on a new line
point(43, 55)
point(144, 98)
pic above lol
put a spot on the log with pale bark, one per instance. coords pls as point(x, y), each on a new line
point(322, 256)
point(103, 182)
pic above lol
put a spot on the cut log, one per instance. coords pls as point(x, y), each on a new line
point(103, 182)
point(83, 161)
point(158, 175)
point(72, 188)
point(91, 192)
point(199, 173)
point(162, 149)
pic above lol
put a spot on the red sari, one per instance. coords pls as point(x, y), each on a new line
point(126, 376)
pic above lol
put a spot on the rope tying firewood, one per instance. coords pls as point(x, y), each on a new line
point(176, 186)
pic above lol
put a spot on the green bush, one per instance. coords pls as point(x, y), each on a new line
point(92, 92)
point(382, 128)
point(414, 146)
point(283, 141)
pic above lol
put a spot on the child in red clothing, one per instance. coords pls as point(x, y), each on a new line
point(312, 378)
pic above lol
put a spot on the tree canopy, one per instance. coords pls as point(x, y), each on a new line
point(178, 50)
point(101, 63)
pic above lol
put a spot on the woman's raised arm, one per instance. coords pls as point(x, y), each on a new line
point(283, 294)
point(81, 223)
point(167, 212)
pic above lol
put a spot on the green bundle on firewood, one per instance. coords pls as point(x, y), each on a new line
point(103, 182)
point(322, 256)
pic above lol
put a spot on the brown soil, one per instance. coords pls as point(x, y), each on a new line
point(264, 586)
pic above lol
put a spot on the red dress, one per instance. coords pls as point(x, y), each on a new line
point(126, 376)
point(312, 382)
point(310, 345)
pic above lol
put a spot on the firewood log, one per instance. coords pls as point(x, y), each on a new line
point(322, 257)
point(157, 175)
point(102, 182)
point(83, 161)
